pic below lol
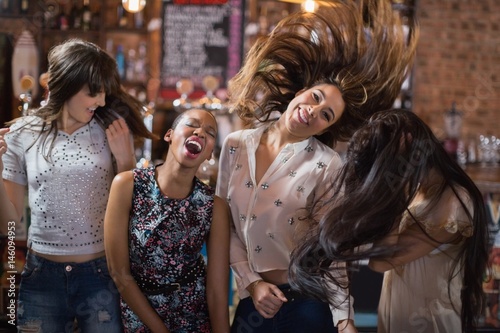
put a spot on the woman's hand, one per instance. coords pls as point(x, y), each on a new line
point(347, 326)
point(121, 144)
point(267, 298)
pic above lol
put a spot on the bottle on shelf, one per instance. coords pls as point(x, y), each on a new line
point(86, 16)
point(50, 16)
point(5, 6)
point(76, 16)
point(122, 17)
point(24, 7)
point(95, 23)
point(139, 20)
point(130, 73)
point(120, 61)
point(140, 70)
point(109, 46)
point(63, 20)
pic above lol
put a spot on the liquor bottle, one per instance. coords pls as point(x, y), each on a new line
point(5, 7)
point(139, 20)
point(25, 6)
point(122, 17)
point(140, 70)
point(86, 16)
point(76, 16)
point(130, 72)
point(109, 46)
point(62, 19)
point(50, 16)
point(120, 62)
point(95, 24)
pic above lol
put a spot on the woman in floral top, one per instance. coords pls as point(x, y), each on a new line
point(156, 223)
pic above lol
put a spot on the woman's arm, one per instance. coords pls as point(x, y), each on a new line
point(218, 267)
point(11, 194)
point(116, 243)
point(340, 299)
point(11, 204)
point(347, 326)
point(413, 242)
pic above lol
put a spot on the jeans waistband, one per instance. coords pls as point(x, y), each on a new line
point(291, 294)
point(93, 264)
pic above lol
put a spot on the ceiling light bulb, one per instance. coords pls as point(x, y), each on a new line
point(133, 6)
point(309, 6)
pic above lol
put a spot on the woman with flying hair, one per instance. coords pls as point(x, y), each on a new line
point(303, 88)
point(416, 215)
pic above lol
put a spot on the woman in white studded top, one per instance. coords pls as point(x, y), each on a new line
point(307, 85)
point(66, 155)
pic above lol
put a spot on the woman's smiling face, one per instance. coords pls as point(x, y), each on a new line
point(314, 110)
point(80, 108)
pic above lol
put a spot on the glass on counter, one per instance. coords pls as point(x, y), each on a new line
point(484, 149)
point(488, 149)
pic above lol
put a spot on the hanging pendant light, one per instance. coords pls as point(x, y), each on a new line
point(309, 6)
point(133, 6)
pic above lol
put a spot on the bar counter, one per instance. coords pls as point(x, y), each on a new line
point(486, 177)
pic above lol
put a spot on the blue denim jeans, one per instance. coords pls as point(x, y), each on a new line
point(52, 296)
point(299, 315)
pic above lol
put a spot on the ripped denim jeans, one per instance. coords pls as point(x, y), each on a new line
point(55, 297)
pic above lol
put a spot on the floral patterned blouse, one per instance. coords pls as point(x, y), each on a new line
point(165, 241)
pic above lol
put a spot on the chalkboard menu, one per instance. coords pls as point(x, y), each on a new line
point(200, 38)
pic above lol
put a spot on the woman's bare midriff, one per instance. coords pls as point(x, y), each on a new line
point(275, 277)
point(70, 258)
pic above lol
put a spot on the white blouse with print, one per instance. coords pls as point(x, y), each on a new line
point(265, 215)
point(68, 191)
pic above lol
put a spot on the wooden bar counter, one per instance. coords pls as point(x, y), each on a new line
point(486, 177)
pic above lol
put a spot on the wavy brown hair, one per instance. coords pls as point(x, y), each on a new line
point(360, 47)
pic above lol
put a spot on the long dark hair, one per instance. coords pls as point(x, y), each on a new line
point(385, 162)
point(359, 46)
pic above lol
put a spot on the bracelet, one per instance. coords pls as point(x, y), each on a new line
point(253, 285)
